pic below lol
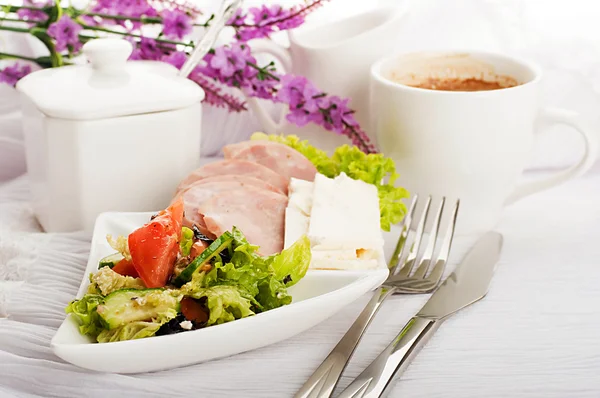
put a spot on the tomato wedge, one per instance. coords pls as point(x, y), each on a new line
point(125, 268)
point(154, 247)
point(193, 310)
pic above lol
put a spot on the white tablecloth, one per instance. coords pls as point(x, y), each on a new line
point(535, 335)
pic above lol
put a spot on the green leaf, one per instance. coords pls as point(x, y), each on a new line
point(130, 331)
point(224, 303)
point(44, 62)
point(187, 240)
point(272, 294)
point(260, 280)
point(84, 310)
point(292, 263)
point(55, 12)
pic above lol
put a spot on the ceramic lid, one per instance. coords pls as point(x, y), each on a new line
point(109, 86)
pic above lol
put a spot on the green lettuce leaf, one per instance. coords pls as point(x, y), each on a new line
point(260, 280)
point(224, 303)
point(84, 310)
point(373, 168)
point(130, 331)
point(292, 263)
point(186, 242)
point(272, 293)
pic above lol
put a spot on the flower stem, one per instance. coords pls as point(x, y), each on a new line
point(16, 56)
point(13, 29)
point(87, 27)
point(11, 19)
point(287, 17)
point(17, 8)
point(263, 70)
point(144, 20)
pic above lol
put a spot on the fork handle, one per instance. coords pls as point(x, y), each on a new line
point(323, 381)
point(377, 379)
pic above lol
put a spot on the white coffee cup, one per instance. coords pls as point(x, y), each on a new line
point(336, 57)
point(472, 145)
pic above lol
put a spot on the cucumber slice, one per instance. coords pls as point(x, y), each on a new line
point(130, 305)
point(220, 244)
point(110, 261)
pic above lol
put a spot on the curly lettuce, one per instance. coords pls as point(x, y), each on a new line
point(372, 168)
point(291, 264)
point(263, 281)
point(120, 244)
point(130, 331)
point(84, 310)
point(224, 303)
point(186, 242)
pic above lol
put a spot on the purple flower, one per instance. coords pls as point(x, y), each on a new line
point(337, 109)
point(299, 117)
point(262, 88)
point(127, 8)
point(238, 18)
point(292, 89)
point(12, 74)
point(229, 64)
point(215, 95)
point(266, 20)
point(176, 24)
point(146, 49)
point(177, 59)
point(65, 32)
point(228, 60)
point(34, 15)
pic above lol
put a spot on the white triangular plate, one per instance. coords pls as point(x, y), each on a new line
point(319, 295)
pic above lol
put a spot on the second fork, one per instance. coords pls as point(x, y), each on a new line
point(405, 277)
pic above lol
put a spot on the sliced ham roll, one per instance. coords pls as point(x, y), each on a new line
point(203, 190)
point(278, 157)
point(258, 213)
point(236, 167)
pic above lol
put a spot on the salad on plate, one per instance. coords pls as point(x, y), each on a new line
point(167, 278)
point(237, 234)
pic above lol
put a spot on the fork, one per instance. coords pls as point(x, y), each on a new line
point(404, 278)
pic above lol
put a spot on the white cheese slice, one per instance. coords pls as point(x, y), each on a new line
point(296, 225)
point(345, 215)
point(300, 195)
point(341, 218)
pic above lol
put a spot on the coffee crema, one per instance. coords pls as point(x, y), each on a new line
point(449, 72)
point(470, 84)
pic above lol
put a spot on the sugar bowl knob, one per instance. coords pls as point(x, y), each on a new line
point(107, 54)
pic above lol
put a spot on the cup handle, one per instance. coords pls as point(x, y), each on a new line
point(570, 118)
point(282, 55)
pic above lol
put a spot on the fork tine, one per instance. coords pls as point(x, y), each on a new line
point(426, 259)
point(411, 259)
point(438, 270)
point(401, 244)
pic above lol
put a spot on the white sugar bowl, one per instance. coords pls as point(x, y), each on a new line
point(111, 135)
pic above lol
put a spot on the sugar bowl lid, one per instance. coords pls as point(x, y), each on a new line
point(109, 85)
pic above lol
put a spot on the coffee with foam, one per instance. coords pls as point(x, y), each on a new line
point(452, 72)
